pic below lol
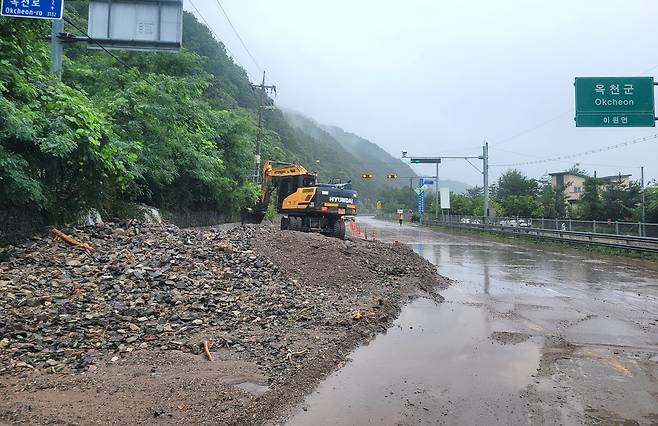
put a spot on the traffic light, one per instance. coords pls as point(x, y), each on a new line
point(391, 176)
point(367, 176)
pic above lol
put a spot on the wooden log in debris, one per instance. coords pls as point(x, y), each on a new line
point(206, 350)
point(59, 234)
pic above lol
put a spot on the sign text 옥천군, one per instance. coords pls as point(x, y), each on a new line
point(39, 9)
point(615, 102)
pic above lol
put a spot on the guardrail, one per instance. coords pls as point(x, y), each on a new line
point(627, 242)
point(565, 231)
point(595, 226)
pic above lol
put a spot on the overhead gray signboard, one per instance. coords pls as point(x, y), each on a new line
point(142, 25)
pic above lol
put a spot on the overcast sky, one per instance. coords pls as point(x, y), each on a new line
point(438, 78)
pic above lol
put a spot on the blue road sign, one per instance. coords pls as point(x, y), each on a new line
point(38, 9)
point(421, 202)
point(428, 181)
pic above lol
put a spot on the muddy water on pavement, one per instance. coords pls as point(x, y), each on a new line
point(488, 354)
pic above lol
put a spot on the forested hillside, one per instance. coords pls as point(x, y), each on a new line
point(380, 160)
point(354, 156)
point(175, 131)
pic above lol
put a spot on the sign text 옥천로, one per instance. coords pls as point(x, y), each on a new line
point(39, 9)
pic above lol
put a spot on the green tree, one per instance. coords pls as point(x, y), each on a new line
point(516, 195)
point(591, 206)
point(394, 198)
point(475, 191)
point(58, 152)
point(651, 203)
point(553, 200)
point(621, 202)
point(521, 206)
point(514, 182)
point(461, 204)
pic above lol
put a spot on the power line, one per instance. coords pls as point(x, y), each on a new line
point(219, 40)
point(611, 166)
point(550, 120)
point(581, 154)
point(68, 21)
point(530, 129)
point(515, 152)
point(238, 36)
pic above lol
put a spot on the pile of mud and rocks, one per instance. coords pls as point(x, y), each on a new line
point(219, 326)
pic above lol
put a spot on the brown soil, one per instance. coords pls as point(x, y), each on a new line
point(343, 293)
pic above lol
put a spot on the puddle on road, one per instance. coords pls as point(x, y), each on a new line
point(468, 360)
point(435, 362)
point(253, 388)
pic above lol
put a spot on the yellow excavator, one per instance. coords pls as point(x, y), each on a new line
point(305, 204)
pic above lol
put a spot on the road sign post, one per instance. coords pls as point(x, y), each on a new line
point(485, 170)
point(37, 9)
point(615, 102)
point(420, 190)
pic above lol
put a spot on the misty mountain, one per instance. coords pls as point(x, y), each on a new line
point(369, 157)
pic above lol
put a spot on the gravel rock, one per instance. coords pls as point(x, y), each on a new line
point(292, 305)
point(66, 308)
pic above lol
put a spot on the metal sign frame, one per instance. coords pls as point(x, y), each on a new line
point(111, 22)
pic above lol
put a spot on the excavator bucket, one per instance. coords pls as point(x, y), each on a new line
point(251, 216)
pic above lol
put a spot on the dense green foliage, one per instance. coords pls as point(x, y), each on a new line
point(651, 203)
point(169, 130)
point(553, 201)
point(612, 201)
point(393, 198)
point(353, 156)
point(519, 196)
point(58, 152)
point(176, 131)
point(516, 195)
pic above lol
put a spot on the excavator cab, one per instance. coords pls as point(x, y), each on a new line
point(290, 184)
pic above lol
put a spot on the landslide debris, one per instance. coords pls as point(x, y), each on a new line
point(291, 304)
point(144, 286)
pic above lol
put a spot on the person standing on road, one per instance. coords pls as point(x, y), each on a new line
point(400, 218)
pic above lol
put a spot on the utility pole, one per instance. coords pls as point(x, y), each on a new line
point(56, 50)
point(261, 106)
point(485, 179)
point(436, 186)
point(643, 212)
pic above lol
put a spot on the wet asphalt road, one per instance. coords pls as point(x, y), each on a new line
point(525, 336)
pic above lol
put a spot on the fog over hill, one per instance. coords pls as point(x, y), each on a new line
point(368, 156)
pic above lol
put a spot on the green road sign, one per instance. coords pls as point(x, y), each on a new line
point(615, 102)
